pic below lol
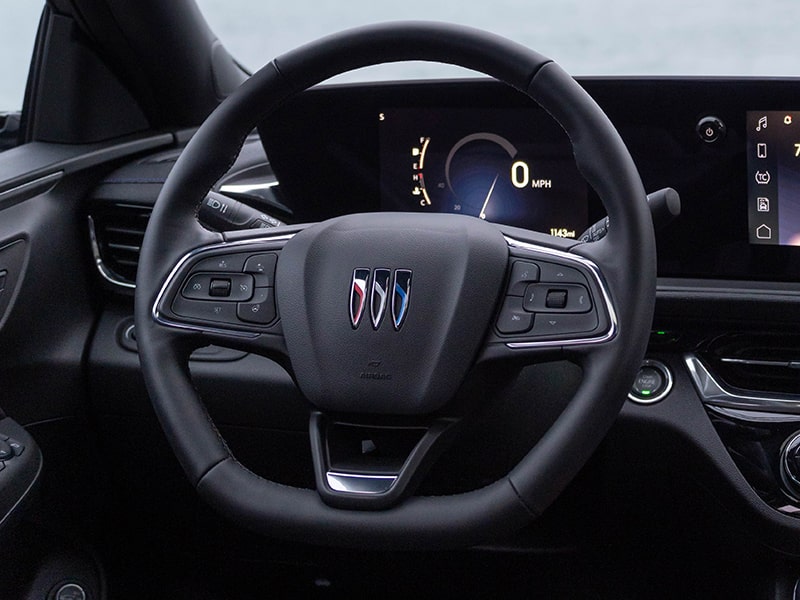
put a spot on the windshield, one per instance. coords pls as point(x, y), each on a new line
point(17, 30)
point(587, 37)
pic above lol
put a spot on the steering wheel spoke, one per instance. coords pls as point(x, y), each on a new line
point(553, 300)
point(225, 293)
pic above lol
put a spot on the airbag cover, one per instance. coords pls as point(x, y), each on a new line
point(457, 267)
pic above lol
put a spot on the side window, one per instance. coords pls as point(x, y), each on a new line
point(18, 32)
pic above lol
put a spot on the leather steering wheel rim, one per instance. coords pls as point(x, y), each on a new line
point(626, 255)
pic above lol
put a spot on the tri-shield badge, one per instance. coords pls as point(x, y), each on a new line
point(380, 295)
point(401, 296)
point(358, 296)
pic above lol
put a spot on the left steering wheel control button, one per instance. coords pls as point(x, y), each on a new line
point(226, 263)
point(220, 288)
point(16, 447)
point(514, 319)
point(260, 310)
point(6, 452)
point(522, 273)
point(228, 287)
point(262, 267)
point(206, 310)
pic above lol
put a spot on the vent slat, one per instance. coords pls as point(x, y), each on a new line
point(125, 247)
point(120, 229)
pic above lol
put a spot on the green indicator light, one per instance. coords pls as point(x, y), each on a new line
point(661, 333)
point(645, 392)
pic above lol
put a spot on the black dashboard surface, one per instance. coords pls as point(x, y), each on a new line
point(363, 145)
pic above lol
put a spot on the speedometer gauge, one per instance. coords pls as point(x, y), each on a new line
point(493, 165)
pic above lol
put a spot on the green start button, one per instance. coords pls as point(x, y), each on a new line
point(652, 383)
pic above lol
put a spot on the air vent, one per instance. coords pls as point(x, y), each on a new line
point(117, 231)
point(758, 363)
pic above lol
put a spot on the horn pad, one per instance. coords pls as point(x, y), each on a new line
point(442, 276)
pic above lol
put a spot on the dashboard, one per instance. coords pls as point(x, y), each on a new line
point(480, 148)
point(722, 353)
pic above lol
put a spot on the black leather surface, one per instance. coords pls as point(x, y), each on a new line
point(626, 256)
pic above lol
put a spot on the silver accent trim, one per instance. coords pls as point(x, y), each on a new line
point(399, 313)
point(52, 179)
point(104, 271)
point(785, 364)
point(246, 188)
point(381, 278)
point(791, 485)
point(713, 393)
point(73, 589)
point(665, 370)
point(358, 292)
point(595, 272)
point(753, 416)
point(160, 319)
point(360, 484)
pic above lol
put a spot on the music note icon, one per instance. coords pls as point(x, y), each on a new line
point(762, 123)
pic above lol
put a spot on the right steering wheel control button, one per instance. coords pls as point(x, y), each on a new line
point(514, 319)
point(522, 273)
point(553, 273)
point(562, 324)
point(652, 383)
point(569, 298)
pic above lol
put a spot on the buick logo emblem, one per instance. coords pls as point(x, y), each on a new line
point(385, 290)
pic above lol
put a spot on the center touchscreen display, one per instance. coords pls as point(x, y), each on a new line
point(773, 164)
point(510, 166)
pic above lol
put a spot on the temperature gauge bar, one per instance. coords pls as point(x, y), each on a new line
point(418, 154)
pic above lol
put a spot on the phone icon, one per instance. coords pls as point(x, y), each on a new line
point(761, 150)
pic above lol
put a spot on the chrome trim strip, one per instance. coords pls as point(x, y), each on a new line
point(247, 188)
point(104, 271)
point(360, 484)
point(786, 364)
point(27, 493)
point(36, 187)
point(159, 318)
point(595, 271)
point(713, 393)
point(753, 416)
point(656, 364)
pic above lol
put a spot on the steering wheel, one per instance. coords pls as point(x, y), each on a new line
point(380, 317)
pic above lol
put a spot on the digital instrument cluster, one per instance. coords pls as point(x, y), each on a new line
point(506, 166)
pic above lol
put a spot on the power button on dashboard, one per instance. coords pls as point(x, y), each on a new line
point(711, 129)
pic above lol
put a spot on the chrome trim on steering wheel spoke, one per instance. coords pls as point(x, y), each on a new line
point(594, 270)
point(360, 484)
